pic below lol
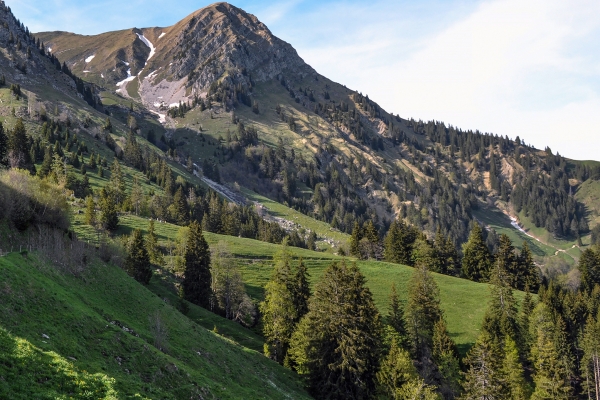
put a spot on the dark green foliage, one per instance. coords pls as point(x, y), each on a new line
point(484, 378)
point(18, 148)
point(423, 311)
point(301, 290)
point(109, 215)
point(137, 262)
point(589, 267)
point(395, 319)
point(90, 211)
point(476, 262)
point(335, 345)
point(196, 276)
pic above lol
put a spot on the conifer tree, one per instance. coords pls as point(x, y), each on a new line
point(395, 319)
point(137, 262)
point(590, 364)
point(117, 183)
point(476, 256)
point(528, 275)
point(18, 148)
point(484, 378)
point(152, 245)
point(301, 290)
point(355, 240)
point(179, 208)
point(335, 344)
point(278, 308)
point(501, 318)
point(445, 355)
point(512, 368)
point(109, 216)
point(90, 211)
point(589, 267)
point(196, 276)
point(550, 376)
point(423, 310)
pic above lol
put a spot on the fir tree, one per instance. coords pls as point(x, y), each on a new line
point(335, 344)
point(423, 310)
point(589, 267)
point(196, 276)
point(528, 275)
point(395, 318)
point(590, 363)
point(484, 378)
point(109, 216)
point(18, 148)
point(355, 240)
point(278, 308)
point(90, 211)
point(301, 290)
point(476, 257)
point(154, 253)
point(445, 356)
point(137, 263)
point(512, 369)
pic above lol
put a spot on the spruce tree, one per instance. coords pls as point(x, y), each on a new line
point(512, 368)
point(396, 372)
point(18, 148)
point(355, 238)
point(395, 319)
point(152, 245)
point(484, 378)
point(528, 275)
point(423, 310)
point(445, 355)
point(90, 211)
point(476, 256)
point(590, 363)
point(301, 290)
point(335, 346)
point(137, 262)
point(589, 267)
point(278, 308)
point(550, 374)
point(109, 216)
point(196, 276)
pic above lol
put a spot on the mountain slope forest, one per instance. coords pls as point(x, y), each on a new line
point(194, 212)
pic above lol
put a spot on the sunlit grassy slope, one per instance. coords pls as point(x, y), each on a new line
point(92, 337)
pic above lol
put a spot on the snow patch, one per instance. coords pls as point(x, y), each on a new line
point(161, 35)
point(125, 62)
point(90, 58)
point(172, 105)
point(87, 71)
point(49, 49)
point(147, 43)
point(102, 75)
point(162, 118)
point(124, 81)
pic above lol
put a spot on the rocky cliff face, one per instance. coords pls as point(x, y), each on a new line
point(222, 41)
point(217, 43)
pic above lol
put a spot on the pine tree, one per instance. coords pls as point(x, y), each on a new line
point(550, 376)
point(590, 364)
point(154, 253)
point(278, 308)
point(137, 262)
point(395, 319)
point(90, 211)
point(179, 208)
point(476, 257)
point(355, 240)
point(335, 344)
point(117, 183)
point(589, 267)
point(501, 318)
point(109, 216)
point(484, 378)
point(512, 368)
point(301, 292)
point(196, 276)
point(423, 310)
point(396, 371)
point(18, 148)
point(445, 355)
point(528, 275)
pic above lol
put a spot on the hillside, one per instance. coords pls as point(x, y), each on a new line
point(230, 93)
point(100, 335)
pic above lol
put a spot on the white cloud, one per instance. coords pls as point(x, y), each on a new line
point(508, 67)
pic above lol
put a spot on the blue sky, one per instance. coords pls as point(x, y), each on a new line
point(528, 68)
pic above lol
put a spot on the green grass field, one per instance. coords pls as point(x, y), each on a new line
point(464, 302)
point(96, 336)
